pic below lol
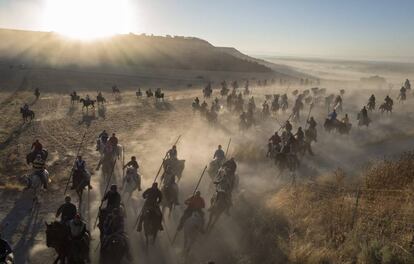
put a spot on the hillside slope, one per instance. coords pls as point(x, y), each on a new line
point(120, 52)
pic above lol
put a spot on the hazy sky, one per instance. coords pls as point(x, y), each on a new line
point(328, 28)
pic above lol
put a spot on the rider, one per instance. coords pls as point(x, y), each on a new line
point(204, 105)
point(77, 228)
point(37, 147)
point(153, 198)
point(371, 100)
point(194, 204)
point(403, 91)
point(25, 107)
point(114, 222)
point(288, 126)
point(219, 155)
point(113, 197)
point(79, 168)
point(364, 112)
point(332, 116)
point(113, 142)
point(300, 136)
point(345, 120)
point(275, 139)
point(99, 94)
point(312, 123)
point(230, 165)
point(132, 163)
point(388, 101)
point(103, 137)
point(172, 153)
point(39, 169)
point(67, 211)
point(88, 98)
point(5, 250)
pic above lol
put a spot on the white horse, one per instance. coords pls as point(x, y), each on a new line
point(131, 182)
point(192, 228)
point(35, 184)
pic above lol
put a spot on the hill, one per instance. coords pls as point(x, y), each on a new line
point(129, 52)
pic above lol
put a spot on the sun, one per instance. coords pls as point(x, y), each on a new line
point(86, 19)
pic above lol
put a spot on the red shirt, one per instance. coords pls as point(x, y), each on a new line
point(195, 202)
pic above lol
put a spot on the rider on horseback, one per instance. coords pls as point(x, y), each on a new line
point(102, 138)
point(388, 101)
point(79, 169)
point(132, 163)
point(66, 211)
point(80, 235)
point(371, 102)
point(153, 198)
point(194, 204)
point(168, 180)
point(364, 113)
point(345, 120)
point(39, 169)
point(113, 198)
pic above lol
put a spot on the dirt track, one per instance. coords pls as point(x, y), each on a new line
point(147, 130)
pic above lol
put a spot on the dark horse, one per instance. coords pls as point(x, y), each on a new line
point(152, 222)
point(73, 251)
point(149, 93)
point(87, 103)
point(74, 98)
point(100, 99)
point(169, 194)
point(114, 248)
point(115, 90)
point(57, 237)
point(27, 114)
point(159, 96)
point(218, 207)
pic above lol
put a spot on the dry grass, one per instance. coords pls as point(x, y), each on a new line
point(333, 221)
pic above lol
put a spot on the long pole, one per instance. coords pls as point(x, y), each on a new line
point(310, 109)
point(77, 154)
point(227, 149)
point(106, 189)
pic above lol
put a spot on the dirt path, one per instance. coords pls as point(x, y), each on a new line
point(147, 130)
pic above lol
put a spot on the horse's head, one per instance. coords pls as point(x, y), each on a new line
point(56, 233)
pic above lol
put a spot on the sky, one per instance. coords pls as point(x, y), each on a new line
point(379, 29)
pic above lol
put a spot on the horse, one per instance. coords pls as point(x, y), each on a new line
point(74, 98)
point(159, 96)
point(169, 194)
point(340, 127)
point(207, 92)
point(152, 222)
point(131, 182)
point(115, 90)
point(57, 237)
point(214, 167)
point(286, 161)
point(87, 103)
point(219, 204)
point(35, 184)
point(100, 99)
point(371, 105)
point(384, 107)
point(108, 159)
point(114, 248)
point(176, 165)
point(81, 179)
point(26, 114)
point(193, 227)
point(149, 93)
point(363, 121)
point(138, 93)
point(32, 155)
